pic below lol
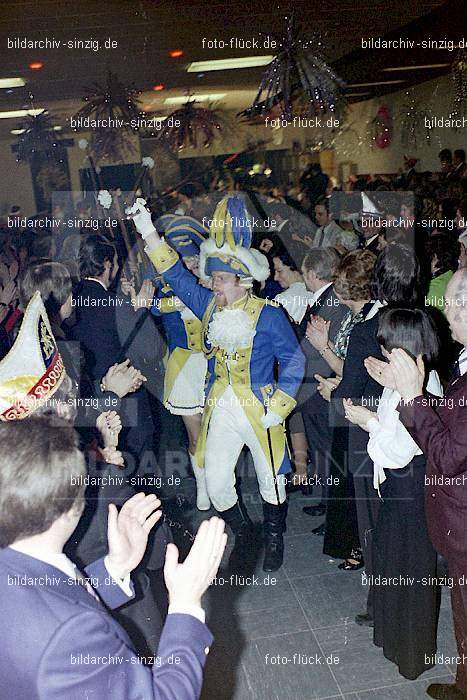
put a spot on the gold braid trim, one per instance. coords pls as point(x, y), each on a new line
point(281, 403)
point(163, 257)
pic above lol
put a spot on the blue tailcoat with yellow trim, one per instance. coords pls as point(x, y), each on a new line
point(183, 339)
point(250, 371)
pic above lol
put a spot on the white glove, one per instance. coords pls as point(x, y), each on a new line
point(270, 419)
point(141, 217)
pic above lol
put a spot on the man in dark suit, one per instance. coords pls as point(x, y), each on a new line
point(439, 427)
point(58, 640)
point(314, 182)
point(459, 171)
point(318, 269)
point(103, 323)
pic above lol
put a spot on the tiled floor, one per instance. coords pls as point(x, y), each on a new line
point(294, 638)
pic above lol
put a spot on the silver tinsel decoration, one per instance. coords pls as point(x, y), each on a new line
point(298, 80)
point(415, 123)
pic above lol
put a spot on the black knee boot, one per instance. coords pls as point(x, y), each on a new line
point(243, 555)
point(274, 526)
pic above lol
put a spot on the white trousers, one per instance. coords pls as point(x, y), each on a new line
point(229, 430)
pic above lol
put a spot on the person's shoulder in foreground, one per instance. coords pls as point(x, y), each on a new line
point(59, 640)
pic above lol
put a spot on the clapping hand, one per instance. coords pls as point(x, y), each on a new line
point(128, 530)
point(128, 286)
point(297, 237)
point(382, 372)
point(409, 375)
point(122, 379)
point(113, 456)
point(144, 297)
point(326, 385)
point(358, 415)
point(187, 582)
point(317, 332)
point(400, 373)
point(109, 425)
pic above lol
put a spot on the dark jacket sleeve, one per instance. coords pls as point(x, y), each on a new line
point(186, 286)
point(444, 444)
point(354, 375)
point(177, 673)
point(109, 591)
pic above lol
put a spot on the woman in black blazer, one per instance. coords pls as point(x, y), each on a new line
point(395, 282)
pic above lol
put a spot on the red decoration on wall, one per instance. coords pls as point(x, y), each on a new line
point(381, 127)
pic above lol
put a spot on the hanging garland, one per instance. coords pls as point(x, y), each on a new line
point(191, 126)
point(298, 79)
point(413, 121)
point(380, 128)
point(114, 104)
point(38, 137)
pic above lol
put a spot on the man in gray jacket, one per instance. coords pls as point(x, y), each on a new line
point(318, 269)
point(329, 233)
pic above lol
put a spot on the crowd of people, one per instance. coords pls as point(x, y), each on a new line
point(329, 318)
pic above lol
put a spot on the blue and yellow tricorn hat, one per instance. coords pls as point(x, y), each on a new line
point(164, 221)
point(33, 369)
point(228, 246)
point(185, 234)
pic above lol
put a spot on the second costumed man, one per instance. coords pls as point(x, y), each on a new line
point(186, 368)
point(244, 339)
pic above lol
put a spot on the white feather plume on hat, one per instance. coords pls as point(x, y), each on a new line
point(255, 262)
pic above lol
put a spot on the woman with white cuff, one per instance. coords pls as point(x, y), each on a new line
point(406, 596)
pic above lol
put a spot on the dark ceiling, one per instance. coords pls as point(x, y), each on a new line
point(147, 30)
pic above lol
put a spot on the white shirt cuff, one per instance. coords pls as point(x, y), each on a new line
point(147, 249)
point(193, 610)
point(123, 583)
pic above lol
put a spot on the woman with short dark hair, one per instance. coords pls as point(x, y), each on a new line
point(406, 610)
point(295, 298)
point(396, 276)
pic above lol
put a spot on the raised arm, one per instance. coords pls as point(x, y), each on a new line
point(167, 262)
